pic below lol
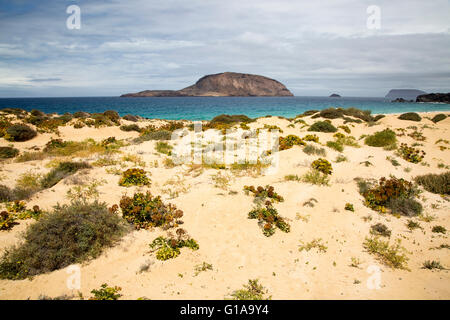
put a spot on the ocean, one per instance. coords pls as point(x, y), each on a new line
point(205, 108)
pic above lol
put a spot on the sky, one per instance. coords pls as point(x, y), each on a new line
point(315, 48)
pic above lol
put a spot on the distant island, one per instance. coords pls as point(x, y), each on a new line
point(434, 97)
point(227, 84)
point(335, 95)
point(406, 94)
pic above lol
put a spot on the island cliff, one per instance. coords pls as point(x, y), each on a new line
point(227, 84)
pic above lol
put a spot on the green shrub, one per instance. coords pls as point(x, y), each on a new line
point(394, 256)
point(170, 248)
point(134, 177)
point(8, 152)
point(112, 115)
point(411, 116)
point(164, 147)
point(438, 117)
point(311, 137)
point(316, 177)
point(262, 193)
point(7, 221)
point(345, 128)
point(439, 229)
point(155, 135)
point(432, 265)
point(81, 114)
point(310, 149)
point(380, 229)
point(383, 138)
point(144, 211)
point(72, 233)
point(322, 126)
point(228, 119)
point(322, 165)
point(335, 145)
point(411, 154)
point(63, 170)
point(106, 293)
point(349, 207)
point(252, 291)
point(130, 117)
point(130, 127)
point(268, 219)
point(391, 193)
point(435, 183)
point(290, 141)
point(20, 132)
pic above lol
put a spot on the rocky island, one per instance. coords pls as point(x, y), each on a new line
point(434, 97)
point(227, 84)
point(405, 94)
point(335, 95)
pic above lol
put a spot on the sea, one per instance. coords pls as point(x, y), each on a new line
point(206, 108)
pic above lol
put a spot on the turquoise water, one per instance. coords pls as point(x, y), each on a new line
point(205, 108)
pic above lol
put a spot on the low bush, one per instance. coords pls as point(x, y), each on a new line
point(106, 293)
point(145, 211)
point(435, 183)
point(394, 256)
point(19, 132)
point(322, 165)
point(130, 117)
point(411, 154)
point(72, 233)
point(7, 221)
point(315, 177)
point(63, 170)
point(310, 149)
point(411, 116)
point(349, 207)
point(439, 229)
point(169, 248)
point(383, 138)
point(134, 177)
point(163, 147)
point(130, 127)
point(335, 146)
point(311, 137)
point(268, 219)
point(380, 229)
point(439, 117)
point(290, 141)
point(432, 265)
point(155, 135)
point(322, 126)
point(252, 291)
point(394, 194)
point(8, 152)
point(262, 193)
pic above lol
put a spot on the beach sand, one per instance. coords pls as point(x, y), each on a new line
point(235, 245)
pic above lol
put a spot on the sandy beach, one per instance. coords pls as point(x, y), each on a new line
point(216, 216)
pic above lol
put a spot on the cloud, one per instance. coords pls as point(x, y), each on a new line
point(314, 47)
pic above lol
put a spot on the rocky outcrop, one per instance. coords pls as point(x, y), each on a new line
point(434, 97)
point(227, 84)
point(407, 94)
point(402, 100)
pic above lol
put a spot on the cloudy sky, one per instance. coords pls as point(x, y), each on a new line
point(313, 47)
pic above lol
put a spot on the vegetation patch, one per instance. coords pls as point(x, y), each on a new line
point(134, 177)
point(290, 141)
point(145, 211)
point(251, 291)
point(322, 165)
point(169, 248)
point(164, 147)
point(383, 138)
point(411, 154)
point(392, 255)
point(411, 116)
point(268, 219)
point(261, 193)
point(322, 126)
point(439, 117)
point(72, 233)
point(8, 152)
point(313, 150)
point(435, 183)
point(106, 293)
point(19, 132)
point(63, 170)
point(380, 229)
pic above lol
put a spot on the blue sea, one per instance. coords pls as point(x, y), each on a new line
point(205, 108)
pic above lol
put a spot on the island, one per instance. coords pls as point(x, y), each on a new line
point(335, 95)
point(406, 94)
point(434, 97)
point(226, 84)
